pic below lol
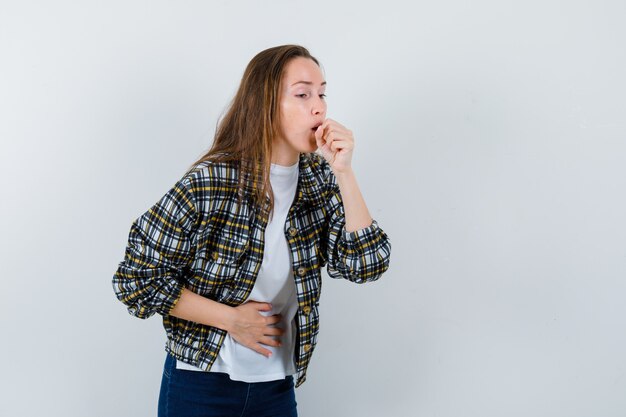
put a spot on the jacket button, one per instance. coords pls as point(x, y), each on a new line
point(215, 255)
point(307, 347)
point(301, 271)
point(306, 310)
point(293, 231)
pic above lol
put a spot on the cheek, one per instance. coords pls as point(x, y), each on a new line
point(287, 115)
point(284, 123)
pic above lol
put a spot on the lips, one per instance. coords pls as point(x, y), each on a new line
point(316, 126)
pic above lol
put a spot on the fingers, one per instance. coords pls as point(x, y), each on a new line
point(259, 349)
point(274, 331)
point(319, 131)
point(330, 132)
point(319, 136)
point(327, 123)
point(322, 132)
point(269, 341)
point(262, 306)
point(255, 330)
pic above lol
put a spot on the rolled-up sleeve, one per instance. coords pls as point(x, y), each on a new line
point(359, 256)
point(151, 278)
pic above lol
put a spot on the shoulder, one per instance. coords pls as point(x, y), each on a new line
point(205, 182)
point(224, 173)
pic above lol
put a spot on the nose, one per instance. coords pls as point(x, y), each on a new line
point(319, 106)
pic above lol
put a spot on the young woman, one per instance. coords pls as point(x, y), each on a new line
point(231, 255)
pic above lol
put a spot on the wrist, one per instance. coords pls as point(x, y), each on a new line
point(226, 318)
point(344, 173)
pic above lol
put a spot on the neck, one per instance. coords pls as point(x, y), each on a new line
point(284, 163)
point(284, 157)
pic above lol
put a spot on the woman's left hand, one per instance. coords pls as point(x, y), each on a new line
point(336, 143)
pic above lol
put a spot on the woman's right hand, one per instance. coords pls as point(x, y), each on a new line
point(252, 329)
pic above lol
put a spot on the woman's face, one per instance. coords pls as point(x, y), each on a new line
point(302, 109)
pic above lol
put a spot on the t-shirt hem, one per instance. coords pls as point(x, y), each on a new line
point(239, 377)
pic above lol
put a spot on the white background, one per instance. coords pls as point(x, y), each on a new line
point(490, 146)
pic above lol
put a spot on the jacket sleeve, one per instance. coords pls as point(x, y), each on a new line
point(359, 256)
point(150, 278)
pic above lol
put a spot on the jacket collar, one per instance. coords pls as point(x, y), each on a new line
point(310, 181)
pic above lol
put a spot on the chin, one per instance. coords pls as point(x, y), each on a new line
point(312, 146)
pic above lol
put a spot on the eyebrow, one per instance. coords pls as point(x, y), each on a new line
point(306, 82)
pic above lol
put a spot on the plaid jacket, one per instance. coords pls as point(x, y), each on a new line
point(199, 237)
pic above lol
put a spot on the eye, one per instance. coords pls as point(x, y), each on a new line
point(301, 95)
point(323, 96)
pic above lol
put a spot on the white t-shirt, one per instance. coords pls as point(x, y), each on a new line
point(274, 284)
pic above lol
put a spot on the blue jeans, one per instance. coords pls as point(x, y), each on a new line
point(208, 394)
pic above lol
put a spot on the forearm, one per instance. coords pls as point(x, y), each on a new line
point(199, 309)
point(244, 323)
point(357, 214)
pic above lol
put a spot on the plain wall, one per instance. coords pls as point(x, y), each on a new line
point(489, 145)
